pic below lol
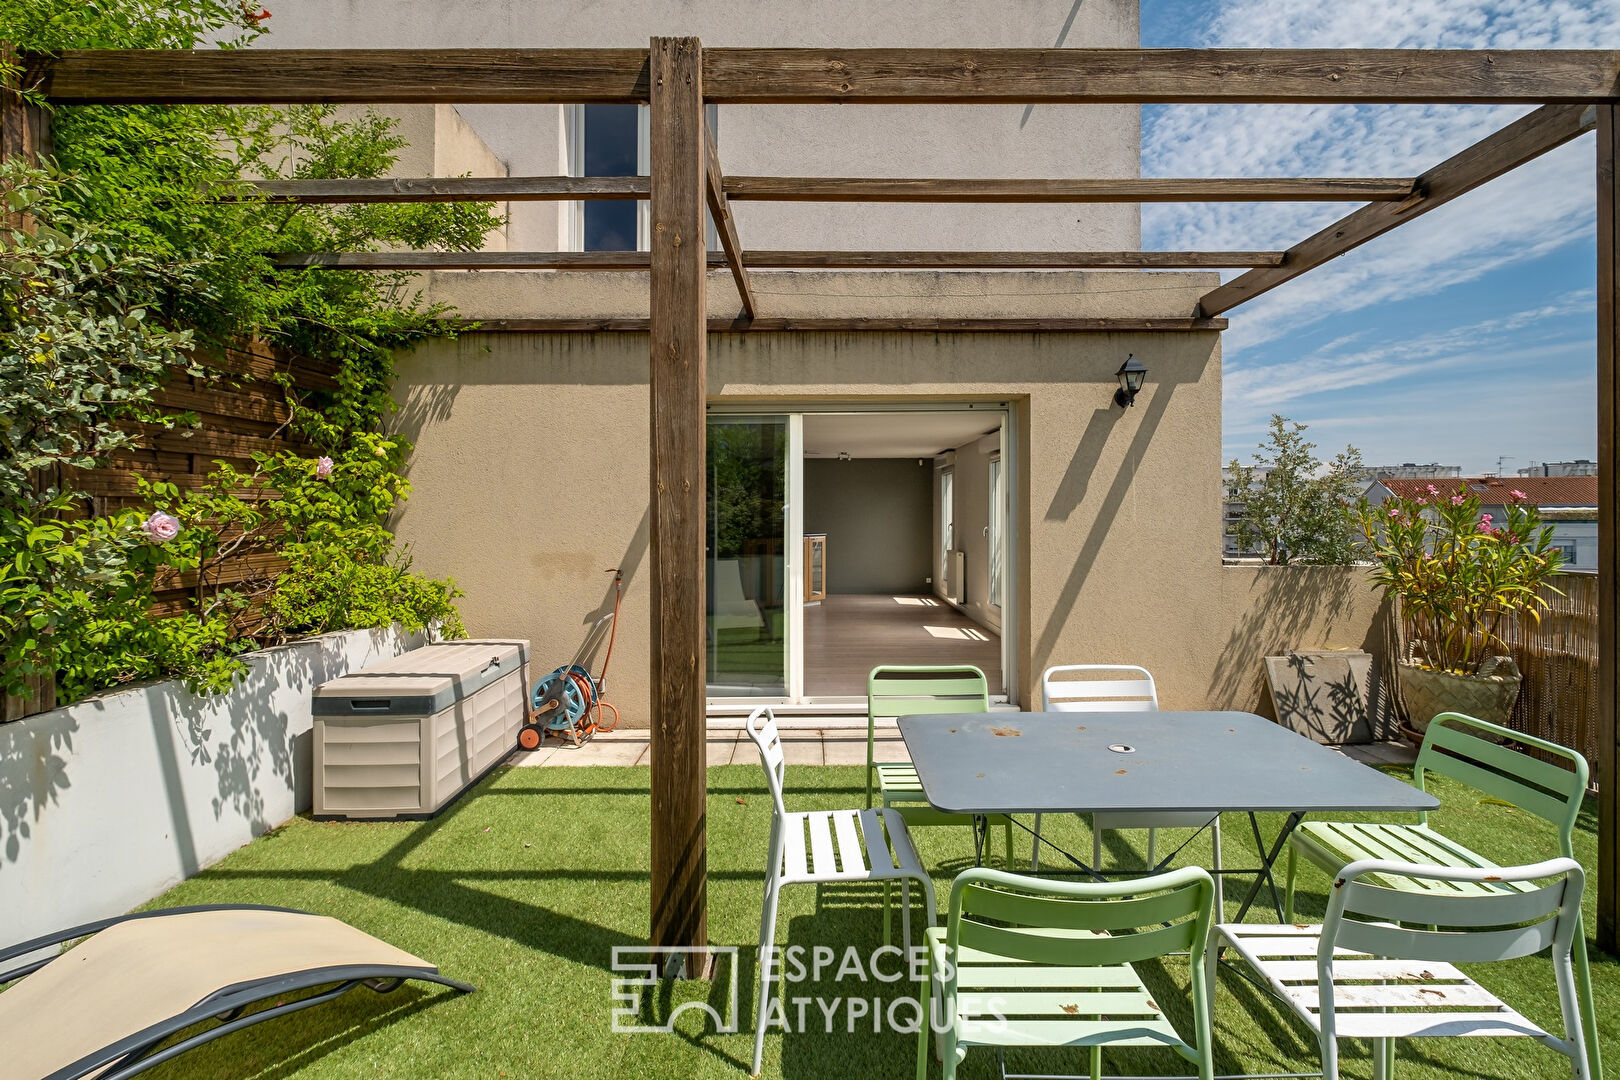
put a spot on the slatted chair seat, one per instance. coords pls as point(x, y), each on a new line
point(1468, 751)
point(1027, 962)
point(847, 845)
point(1382, 966)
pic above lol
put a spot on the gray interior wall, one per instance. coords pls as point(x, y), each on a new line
point(876, 513)
point(972, 515)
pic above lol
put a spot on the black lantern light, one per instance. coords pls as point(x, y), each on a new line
point(1130, 375)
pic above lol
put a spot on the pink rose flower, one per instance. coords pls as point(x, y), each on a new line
point(323, 468)
point(161, 527)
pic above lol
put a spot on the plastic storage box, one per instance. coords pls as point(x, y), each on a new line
point(405, 737)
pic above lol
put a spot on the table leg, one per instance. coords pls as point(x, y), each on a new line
point(981, 832)
point(1267, 860)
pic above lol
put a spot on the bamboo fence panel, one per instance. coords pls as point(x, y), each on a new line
point(1558, 656)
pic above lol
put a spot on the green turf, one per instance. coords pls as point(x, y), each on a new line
point(524, 886)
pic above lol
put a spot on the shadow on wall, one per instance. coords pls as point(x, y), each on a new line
point(1289, 608)
point(33, 775)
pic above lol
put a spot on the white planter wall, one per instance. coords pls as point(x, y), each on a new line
point(106, 803)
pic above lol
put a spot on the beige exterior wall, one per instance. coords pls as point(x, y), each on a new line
point(969, 141)
point(530, 471)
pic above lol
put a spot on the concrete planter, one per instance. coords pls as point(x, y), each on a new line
point(1425, 693)
point(106, 803)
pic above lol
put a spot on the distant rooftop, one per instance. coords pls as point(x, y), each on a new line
point(1539, 491)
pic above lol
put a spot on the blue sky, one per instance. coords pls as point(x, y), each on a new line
point(1466, 335)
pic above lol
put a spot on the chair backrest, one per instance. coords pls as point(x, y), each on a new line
point(761, 727)
point(1446, 926)
point(1098, 688)
point(1469, 751)
point(1032, 920)
point(893, 691)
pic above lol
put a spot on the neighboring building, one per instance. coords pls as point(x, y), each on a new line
point(1579, 467)
point(1232, 510)
point(1048, 502)
point(1567, 503)
point(1412, 471)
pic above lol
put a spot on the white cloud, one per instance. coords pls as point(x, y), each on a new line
point(1534, 210)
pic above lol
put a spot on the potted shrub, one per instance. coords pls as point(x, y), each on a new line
point(1455, 575)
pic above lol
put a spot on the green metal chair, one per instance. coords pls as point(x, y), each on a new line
point(1023, 961)
point(895, 691)
point(1468, 751)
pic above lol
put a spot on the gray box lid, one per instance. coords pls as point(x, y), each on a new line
point(423, 681)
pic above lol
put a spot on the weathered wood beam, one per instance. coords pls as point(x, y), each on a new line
point(1526, 138)
point(1607, 767)
point(364, 76)
point(830, 76)
point(1126, 190)
point(1009, 260)
point(475, 260)
point(1016, 325)
point(784, 260)
point(678, 388)
point(724, 223)
point(1131, 76)
point(443, 189)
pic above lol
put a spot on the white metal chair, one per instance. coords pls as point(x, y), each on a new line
point(1380, 966)
point(819, 846)
point(1076, 688)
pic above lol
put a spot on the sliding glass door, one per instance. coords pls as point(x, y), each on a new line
point(748, 556)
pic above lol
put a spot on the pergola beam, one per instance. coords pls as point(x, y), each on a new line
point(782, 260)
point(724, 224)
point(903, 324)
point(834, 76)
point(443, 189)
point(1523, 140)
point(1123, 190)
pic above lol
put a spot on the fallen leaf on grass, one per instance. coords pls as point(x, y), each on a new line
point(742, 802)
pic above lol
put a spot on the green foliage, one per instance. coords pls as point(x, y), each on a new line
point(1457, 572)
point(135, 265)
point(1293, 503)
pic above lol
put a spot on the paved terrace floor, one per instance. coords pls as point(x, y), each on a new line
point(806, 745)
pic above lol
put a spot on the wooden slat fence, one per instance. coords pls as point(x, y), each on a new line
point(241, 410)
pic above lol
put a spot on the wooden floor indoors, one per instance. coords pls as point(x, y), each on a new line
point(846, 635)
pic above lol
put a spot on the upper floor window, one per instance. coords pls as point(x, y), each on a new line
point(612, 140)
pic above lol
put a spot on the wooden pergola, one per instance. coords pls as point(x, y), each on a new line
point(1576, 91)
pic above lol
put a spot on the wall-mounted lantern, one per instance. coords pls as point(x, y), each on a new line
point(1130, 375)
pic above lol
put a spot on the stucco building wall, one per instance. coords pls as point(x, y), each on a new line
point(945, 141)
point(530, 470)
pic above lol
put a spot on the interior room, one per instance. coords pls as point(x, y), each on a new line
point(899, 543)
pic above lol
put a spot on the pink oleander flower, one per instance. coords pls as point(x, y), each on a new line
point(160, 527)
point(1458, 500)
point(1485, 518)
point(1485, 527)
point(1516, 495)
point(1433, 490)
point(1394, 511)
point(323, 468)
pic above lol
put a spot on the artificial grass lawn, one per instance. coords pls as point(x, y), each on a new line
point(525, 885)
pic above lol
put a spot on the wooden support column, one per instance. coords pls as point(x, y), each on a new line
point(678, 331)
point(1607, 766)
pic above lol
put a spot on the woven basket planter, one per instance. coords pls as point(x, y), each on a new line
point(1489, 695)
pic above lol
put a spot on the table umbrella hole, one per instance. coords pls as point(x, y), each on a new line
point(1122, 748)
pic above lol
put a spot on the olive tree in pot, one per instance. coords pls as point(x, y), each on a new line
point(1457, 577)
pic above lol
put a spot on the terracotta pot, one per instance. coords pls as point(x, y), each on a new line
point(1488, 696)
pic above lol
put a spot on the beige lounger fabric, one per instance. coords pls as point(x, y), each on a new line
point(139, 973)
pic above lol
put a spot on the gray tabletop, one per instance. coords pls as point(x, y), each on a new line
point(1026, 763)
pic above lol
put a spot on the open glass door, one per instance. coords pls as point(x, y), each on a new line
point(749, 563)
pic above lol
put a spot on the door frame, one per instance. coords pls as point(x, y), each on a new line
point(793, 543)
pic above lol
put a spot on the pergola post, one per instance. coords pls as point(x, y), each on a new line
point(679, 331)
point(25, 127)
point(1607, 765)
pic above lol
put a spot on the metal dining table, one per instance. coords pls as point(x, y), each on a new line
point(1004, 763)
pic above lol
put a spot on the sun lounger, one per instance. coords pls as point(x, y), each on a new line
point(105, 1007)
